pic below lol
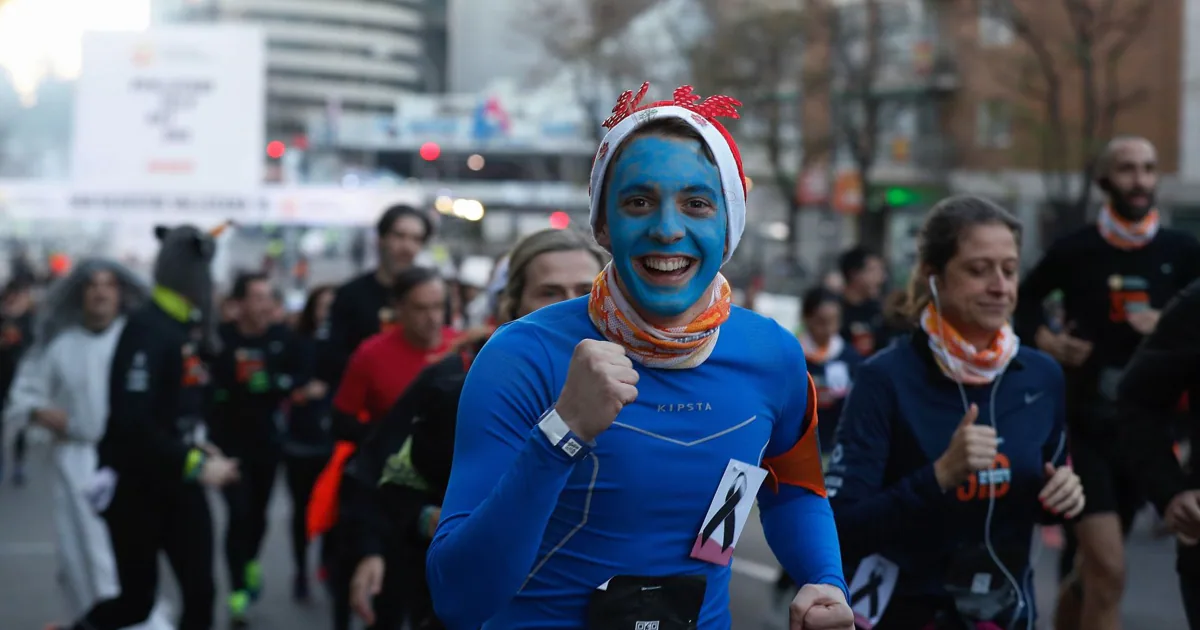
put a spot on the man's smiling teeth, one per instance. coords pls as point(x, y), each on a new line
point(666, 264)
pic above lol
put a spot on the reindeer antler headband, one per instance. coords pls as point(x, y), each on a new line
point(712, 107)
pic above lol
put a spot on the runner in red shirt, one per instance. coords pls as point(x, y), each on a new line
point(378, 372)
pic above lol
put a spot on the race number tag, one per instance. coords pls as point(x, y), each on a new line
point(871, 589)
point(728, 512)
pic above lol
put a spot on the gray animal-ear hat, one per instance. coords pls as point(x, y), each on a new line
point(184, 267)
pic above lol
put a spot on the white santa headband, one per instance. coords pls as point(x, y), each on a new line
point(629, 115)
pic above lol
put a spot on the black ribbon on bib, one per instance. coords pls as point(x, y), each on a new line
point(871, 590)
point(725, 514)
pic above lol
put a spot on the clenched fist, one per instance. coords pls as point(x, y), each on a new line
point(366, 584)
point(1063, 493)
point(218, 471)
point(973, 448)
point(1183, 516)
point(820, 607)
point(600, 382)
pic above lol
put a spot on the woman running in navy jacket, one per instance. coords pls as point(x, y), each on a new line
point(951, 446)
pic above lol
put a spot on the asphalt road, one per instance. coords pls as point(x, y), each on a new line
point(29, 595)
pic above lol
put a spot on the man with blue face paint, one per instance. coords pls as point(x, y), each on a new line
point(609, 449)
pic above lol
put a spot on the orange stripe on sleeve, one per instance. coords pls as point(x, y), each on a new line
point(801, 465)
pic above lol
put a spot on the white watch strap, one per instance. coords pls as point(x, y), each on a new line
point(553, 427)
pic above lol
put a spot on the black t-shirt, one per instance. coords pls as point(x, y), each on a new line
point(1100, 286)
point(251, 377)
point(862, 326)
point(307, 433)
point(361, 308)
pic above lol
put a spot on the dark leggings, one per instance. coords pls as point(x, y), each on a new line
point(1188, 565)
point(403, 593)
point(340, 563)
point(248, 501)
point(302, 473)
point(1189, 586)
point(139, 525)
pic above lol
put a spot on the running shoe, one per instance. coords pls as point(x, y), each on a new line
point(239, 606)
point(254, 579)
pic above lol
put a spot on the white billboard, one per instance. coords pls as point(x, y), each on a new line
point(171, 109)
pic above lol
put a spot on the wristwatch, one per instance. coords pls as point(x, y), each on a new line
point(561, 436)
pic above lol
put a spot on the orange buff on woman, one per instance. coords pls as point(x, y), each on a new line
point(960, 360)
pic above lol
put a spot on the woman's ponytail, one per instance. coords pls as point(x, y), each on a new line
point(918, 296)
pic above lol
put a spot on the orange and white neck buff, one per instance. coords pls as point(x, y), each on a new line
point(670, 348)
point(818, 355)
point(960, 360)
point(1125, 234)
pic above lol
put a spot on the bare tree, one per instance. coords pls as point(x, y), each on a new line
point(862, 108)
point(758, 57)
point(583, 36)
point(1076, 62)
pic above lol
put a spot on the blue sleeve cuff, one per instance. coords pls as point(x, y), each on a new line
point(835, 580)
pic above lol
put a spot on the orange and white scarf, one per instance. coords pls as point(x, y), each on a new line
point(961, 361)
point(1125, 234)
point(817, 354)
point(670, 348)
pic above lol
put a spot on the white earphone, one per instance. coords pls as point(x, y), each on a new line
point(987, 524)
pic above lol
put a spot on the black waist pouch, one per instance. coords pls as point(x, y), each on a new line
point(647, 603)
point(981, 591)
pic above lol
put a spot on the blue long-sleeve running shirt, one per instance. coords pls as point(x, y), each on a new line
point(526, 535)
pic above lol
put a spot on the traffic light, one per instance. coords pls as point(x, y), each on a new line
point(900, 197)
point(430, 151)
point(560, 220)
point(276, 149)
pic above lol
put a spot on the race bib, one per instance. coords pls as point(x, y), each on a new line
point(1127, 294)
point(871, 589)
point(837, 376)
point(862, 337)
point(727, 513)
point(249, 366)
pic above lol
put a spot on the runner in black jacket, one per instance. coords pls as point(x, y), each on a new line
point(363, 306)
point(1166, 366)
point(259, 366)
point(153, 456)
point(392, 490)
point(1114, 275)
